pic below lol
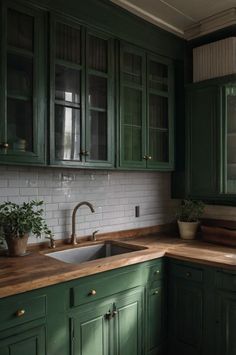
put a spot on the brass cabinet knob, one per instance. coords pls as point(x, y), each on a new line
point(92, 293)
point(145, 157)
point(84, 152)
point(157, 272)
point(20, 312)
point(156, 292)
point(4, 145)
point(188, 274)
point(149, 157)
point(108, 315)
point(114, 313)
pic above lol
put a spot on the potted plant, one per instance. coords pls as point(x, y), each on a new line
point(188, 216)
point(18, 221)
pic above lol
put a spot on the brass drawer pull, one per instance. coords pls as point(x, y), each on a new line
point(92, 293)
point(157, 272)
point(4, 145)
point(20, 313)
point(188, 274)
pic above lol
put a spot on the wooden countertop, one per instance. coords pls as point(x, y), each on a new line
point(37, 270)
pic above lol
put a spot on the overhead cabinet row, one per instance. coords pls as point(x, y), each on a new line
point(108, 104)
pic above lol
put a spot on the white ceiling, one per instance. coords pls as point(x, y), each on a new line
point(176, 15)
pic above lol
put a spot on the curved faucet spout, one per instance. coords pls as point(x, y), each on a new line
point(84, 203)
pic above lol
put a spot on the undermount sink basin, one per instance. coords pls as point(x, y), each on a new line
point(92, 252)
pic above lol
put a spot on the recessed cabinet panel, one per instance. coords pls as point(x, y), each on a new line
point(20, 30)
point(98, 148)
point(68, 43)
point(23, 109)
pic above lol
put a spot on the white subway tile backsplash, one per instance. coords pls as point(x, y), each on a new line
point(113, 194)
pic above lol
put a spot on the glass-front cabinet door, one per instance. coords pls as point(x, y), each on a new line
point(229, 140)
point(81, 96)
point(22, 123)
point(159, 113)
point(132, 108)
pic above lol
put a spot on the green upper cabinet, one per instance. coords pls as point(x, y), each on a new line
point(229, 139)
point(203, 144)
point(22, 94)
point(82, 96)
point(211, 137)
point(146, 110)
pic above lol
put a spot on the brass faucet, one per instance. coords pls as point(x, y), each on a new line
point(73, 235)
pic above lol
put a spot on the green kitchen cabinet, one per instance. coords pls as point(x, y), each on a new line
point(211, 132)
point(186, 308)
point(156, 319)
point(30, 341)
point(23, 84)
point(111, 326)
point(146, 110)
point(82, 95)
point(203, 141)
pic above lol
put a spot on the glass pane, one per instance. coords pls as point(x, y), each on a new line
point(68, 43)
point(20, 30)
point(158, 76)
point(20, 125)
point(132, 106)
point(67, 84)
point(132, 68)
point(231, 113)
point(19, 75)
point(97, 92)
point(132, 143)
point(67, 133)
point(158, 111)
point(98, 143)
point(158, 145)
point(97, 54)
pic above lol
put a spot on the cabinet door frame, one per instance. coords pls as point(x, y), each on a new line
point(142, 88)
point(169, 94)
point(110, 102)
point(38, 156)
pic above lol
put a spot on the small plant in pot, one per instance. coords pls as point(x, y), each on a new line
point(188, 216)
point(18, 221)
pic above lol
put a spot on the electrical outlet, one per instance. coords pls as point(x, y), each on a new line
point(137, 211)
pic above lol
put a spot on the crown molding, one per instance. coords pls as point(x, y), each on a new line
point(211, 24)
point(136, 10)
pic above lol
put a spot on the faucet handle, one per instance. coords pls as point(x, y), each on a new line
point(94, 235)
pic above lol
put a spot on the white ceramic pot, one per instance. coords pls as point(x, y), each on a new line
point(188, 230)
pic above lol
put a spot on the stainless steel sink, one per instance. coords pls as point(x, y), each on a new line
point(92, 252)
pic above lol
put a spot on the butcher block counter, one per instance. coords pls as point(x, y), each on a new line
point(37, 270)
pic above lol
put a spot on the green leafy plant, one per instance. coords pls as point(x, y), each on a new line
point(18, 220)
point(190, 211)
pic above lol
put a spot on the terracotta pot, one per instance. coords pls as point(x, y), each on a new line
point(188, 230)
point(17, 246)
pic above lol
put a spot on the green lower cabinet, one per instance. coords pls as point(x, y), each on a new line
point(31, 342)
point(156, 328)
point(186, 310)
point(226, 323)
point(109, 327)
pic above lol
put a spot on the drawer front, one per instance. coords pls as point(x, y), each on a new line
point(186, 272)
point(156, 272)
point(226, 281)
point(96, 289)
point(16, 312)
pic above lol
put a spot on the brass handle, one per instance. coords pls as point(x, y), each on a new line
point(149, 157)
point(4, 145)
point(188, 274)
point(156, 292)
point(157, 272)
point(145, 157)
point(114, 313)
point(84, 152)
point(108, 315)
point(92, 293)
point(20, 312)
